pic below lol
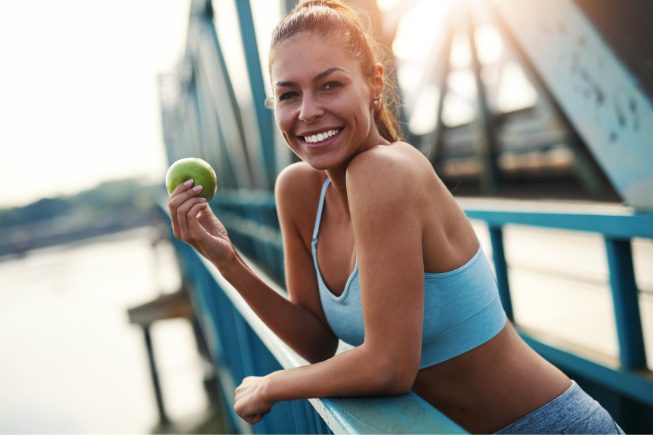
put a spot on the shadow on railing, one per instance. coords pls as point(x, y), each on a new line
point(241, 345)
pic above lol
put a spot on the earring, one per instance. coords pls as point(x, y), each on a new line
point(376, 103)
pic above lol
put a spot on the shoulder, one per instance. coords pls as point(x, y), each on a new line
point(297, 192)
point(394, 172)
point(297, 180)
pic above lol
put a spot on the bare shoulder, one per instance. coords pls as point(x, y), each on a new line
point(297, 181)
point(297, 191)
point(398, 171)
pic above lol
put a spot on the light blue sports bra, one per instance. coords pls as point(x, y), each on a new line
point(462, 309)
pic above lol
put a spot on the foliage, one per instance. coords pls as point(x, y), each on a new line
point(128, 195)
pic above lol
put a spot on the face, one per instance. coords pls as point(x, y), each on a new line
point(322, 101)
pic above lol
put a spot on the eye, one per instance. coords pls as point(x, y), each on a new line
point(329, 86)
point(287, 96)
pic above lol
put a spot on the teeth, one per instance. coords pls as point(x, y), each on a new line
point(321, 136)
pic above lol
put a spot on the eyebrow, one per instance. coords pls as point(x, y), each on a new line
point(318, 77)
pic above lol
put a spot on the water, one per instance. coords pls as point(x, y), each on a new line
point(71, 362)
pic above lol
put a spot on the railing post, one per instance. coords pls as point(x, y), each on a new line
point(501, 269)
point(626, 303)
point(154, 373)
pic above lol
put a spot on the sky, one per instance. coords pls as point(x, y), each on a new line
point(78, 92)
point(78, 89)
point(78, 84)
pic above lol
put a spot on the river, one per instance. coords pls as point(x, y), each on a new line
point(71, 362)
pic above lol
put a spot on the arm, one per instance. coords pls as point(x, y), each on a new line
point(387, 229)
point(295, 323)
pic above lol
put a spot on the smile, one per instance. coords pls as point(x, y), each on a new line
point(321, 137)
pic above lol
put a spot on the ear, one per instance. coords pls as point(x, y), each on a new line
point(376, 81)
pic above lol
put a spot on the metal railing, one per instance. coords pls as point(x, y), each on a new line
point(204, 118)
point(242, 345)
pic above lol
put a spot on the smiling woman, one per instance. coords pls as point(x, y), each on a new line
point(315, 99)
point(377, 253)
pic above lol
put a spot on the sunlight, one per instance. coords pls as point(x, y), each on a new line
point(423, 120)
point(418, 44)
point(80, 98)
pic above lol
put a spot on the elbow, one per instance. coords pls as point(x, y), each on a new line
point(323, 353)
point(319, 349)
point(402, 382)
point(397, 375)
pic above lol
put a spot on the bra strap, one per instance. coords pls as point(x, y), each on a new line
point(320, 207)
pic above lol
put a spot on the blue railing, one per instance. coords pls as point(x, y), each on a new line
point(630, 377)
point(204, 117)
point(242, 345)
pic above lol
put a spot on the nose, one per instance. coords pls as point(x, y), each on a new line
point(310, 109)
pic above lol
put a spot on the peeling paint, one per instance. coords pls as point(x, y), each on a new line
point(602, 99)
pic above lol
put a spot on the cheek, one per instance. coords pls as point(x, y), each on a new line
point(283, 122)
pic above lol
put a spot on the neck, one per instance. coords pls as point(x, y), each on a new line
point(338, 175)
point(339, 184)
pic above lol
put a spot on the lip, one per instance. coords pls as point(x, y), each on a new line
point(323, 143)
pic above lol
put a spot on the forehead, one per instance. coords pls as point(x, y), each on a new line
point(307, 54)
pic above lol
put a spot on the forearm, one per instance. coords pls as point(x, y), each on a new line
point(358, 372)
point(294, 324)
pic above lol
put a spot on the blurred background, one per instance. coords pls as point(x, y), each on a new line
point(81, 164)
point(97, 97)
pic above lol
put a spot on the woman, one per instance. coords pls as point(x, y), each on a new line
point(398, 271)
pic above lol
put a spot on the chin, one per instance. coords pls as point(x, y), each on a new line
point(321, 163)
point(318, 164)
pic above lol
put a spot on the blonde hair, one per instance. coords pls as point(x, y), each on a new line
point(332, 17)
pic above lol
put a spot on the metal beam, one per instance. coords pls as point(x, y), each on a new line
point(501, 269)
point(598, 94)
point(263, 116)
point(625, 297)
point(210, 59)
point(487, 144)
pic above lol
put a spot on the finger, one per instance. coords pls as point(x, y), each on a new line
point(182, 216)
point(176, 200)
point(195, 230)
point(182, 187)
point(177, 197)
point(253, 419)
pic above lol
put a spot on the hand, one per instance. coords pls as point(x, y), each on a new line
point(193, 222)
point(250, 402)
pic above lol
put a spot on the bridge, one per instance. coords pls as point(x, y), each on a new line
point(538, 117)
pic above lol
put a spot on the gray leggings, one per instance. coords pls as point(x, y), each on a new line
point(572, 412)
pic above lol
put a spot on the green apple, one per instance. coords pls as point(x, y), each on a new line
point(201, 172)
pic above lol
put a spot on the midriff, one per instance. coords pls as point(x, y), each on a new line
point(492, 385)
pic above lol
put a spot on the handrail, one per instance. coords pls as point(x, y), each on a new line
point(617, 224)
point(613, 221)
point(629, 377)
point(407, 413)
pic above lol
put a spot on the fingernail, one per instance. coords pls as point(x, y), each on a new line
point(197, 188)
point(188, 183)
